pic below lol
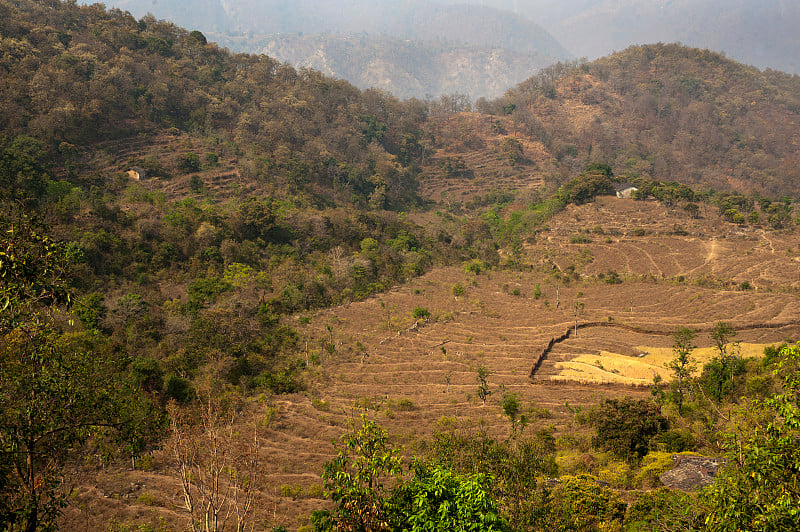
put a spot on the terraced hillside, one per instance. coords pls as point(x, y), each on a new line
point(418, 375)
point(163, 157)
point(648, 239)
point(469, 161)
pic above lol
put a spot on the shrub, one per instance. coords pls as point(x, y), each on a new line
point(179, 389)
point(581, 503)
point(612, 277)
point(580, 239)
point(625, 427)
point(664, 509)
point(475, 266)
point(676, 441)
point(617, 474)
point(281, 381)
point(653, 465)
point(512, 150)
point(421, 313)
point(405, 405)
point(189, 162)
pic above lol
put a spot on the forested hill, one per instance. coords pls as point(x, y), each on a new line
point(183, 231)
point(176, 168)
point(669, 111)
point(79, 74)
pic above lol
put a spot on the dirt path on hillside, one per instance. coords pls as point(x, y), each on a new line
point(712, 252)
point(710, 256)
point(769, 241)
point(658, 269)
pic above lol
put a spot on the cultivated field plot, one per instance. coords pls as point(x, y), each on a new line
point(638, 238)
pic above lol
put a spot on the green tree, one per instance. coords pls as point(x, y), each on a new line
point(692, 209)
point(483, 385)
point(682, 365)
point(56, 389)
point(594, 181)
point(359, 478)
point(23, 168)
point(438, 499)
point(758, 490)
point(626, 426)
point(722, 334)
point(189, 162)
point(516, 466)
point(512, 408)
point(718, 377)
point(512, 150)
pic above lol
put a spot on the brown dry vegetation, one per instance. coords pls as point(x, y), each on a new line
point(668, 112)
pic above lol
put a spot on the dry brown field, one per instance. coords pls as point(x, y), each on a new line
point(415, 377)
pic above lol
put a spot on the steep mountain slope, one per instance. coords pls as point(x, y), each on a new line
point(251, 241)
point(75, 84)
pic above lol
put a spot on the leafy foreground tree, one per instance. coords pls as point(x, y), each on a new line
point(760, 488)
point(517, 467)
point(359, 478)
point(57, 388)
point(682, 365)
point(719, 377)
point(365, 481)
point(625, 427)
point(438, 499)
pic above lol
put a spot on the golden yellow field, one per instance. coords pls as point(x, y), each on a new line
point(614, 368)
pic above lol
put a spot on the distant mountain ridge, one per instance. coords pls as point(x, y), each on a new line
point(763, 34)
point(404, 67)
point(410, 48)
point(412, 19)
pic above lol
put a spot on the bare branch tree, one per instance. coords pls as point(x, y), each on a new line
point(219, 470)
